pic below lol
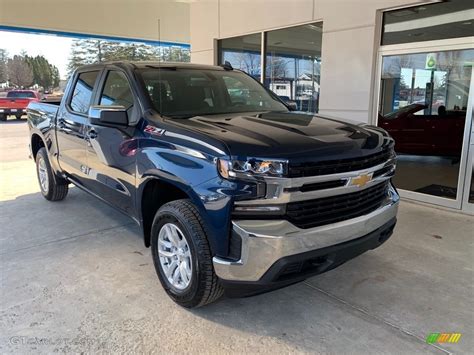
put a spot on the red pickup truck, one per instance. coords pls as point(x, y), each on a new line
point(16, 102)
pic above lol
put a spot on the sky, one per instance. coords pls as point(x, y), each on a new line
point(55, 49)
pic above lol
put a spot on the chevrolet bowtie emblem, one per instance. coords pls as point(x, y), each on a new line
point(361, 180)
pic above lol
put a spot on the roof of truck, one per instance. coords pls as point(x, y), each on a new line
point(152, 64)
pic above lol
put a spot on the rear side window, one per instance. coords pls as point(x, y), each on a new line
point(21, 94)
point(117, 91)
point(82, 94)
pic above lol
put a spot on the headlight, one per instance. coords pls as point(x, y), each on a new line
point(252, 166)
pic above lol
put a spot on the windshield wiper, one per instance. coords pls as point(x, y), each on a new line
point(181, 116)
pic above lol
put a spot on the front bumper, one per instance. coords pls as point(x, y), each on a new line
point(266, 242)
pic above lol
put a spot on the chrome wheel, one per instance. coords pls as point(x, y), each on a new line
point(43, 175)
point(175, 256)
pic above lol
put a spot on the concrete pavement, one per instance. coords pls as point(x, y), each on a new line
point(76, 277)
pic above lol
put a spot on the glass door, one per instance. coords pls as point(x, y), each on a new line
point(468, 198)
point(425, 105)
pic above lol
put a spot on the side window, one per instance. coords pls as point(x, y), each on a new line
point(117, 91)
point(82, 94)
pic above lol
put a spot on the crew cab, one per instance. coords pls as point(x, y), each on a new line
point(16, 102)
point(234, 192)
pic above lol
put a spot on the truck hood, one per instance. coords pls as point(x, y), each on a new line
point(289, 135)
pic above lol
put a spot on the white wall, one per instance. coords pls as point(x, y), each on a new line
point(348, 49)
point(118, 18)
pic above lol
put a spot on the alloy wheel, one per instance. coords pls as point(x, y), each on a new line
point(175, 256)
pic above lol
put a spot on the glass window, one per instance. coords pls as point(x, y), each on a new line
point(293, 65)
point(117, 91)
point(242, 53)
point(187, 92)
point(21, 94)
point(82, 94)
point(423, 105)
point(447, 19)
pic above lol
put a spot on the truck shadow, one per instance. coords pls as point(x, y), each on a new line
point(13, 121)
point(298, 316)
point(79, 214)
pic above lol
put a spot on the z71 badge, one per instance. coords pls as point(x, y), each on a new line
point(154, 130)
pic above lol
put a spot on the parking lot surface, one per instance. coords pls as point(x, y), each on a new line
point(76, 277)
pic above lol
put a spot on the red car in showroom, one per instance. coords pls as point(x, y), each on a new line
point(16, 102)
point(418, 133)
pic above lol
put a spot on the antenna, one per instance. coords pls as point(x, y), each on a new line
point(160, 53)
point(227, 65)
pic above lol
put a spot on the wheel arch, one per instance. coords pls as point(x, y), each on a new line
point(154, 192)
point(37, 143)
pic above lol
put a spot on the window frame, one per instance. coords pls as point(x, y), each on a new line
point(137, 109)
point(73, 87)
point(103, 81)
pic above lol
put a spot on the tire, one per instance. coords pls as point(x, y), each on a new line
point(3, 118)
point(203, 286)
point(53, 188)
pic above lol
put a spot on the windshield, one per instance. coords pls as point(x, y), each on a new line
point(399, 112)
point(21, 94)
point(184, 93)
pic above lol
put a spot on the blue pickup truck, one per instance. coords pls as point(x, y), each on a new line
point(235, 192)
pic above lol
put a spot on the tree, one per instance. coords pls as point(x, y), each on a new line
point(173, 54)
point(129, 51)
point(45, 74)
point(55, 75)
point(85, 51)
point(19, 71)
point(276, 67)
point(246, 61)
point(3, 66)
point(89, 51)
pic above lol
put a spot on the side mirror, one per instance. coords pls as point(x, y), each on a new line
point(292, 106)
point(109, 116)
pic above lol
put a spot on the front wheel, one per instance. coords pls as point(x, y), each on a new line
point(182, 256)
point(53, 187)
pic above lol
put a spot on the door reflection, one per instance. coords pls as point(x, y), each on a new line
point(423, 105)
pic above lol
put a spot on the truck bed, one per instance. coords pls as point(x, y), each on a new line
point(41, 113)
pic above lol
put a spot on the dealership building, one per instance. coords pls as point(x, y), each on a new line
point(403, 65)
point(219, 190)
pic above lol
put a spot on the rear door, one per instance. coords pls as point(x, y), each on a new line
point(111, 151)
point(71, 124)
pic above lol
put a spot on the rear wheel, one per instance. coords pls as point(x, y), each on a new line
point(3, 117)
point(182, 256)
point(53, 187)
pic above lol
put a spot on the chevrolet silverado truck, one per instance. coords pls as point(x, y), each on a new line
point(235, 193)
point(16, 102)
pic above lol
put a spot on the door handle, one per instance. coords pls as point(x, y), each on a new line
point(92, 134)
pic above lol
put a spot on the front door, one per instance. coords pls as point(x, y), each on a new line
point(111, 151)
point(425, 103)
point(72, 119)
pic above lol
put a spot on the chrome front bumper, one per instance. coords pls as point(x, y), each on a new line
point(266, 241)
